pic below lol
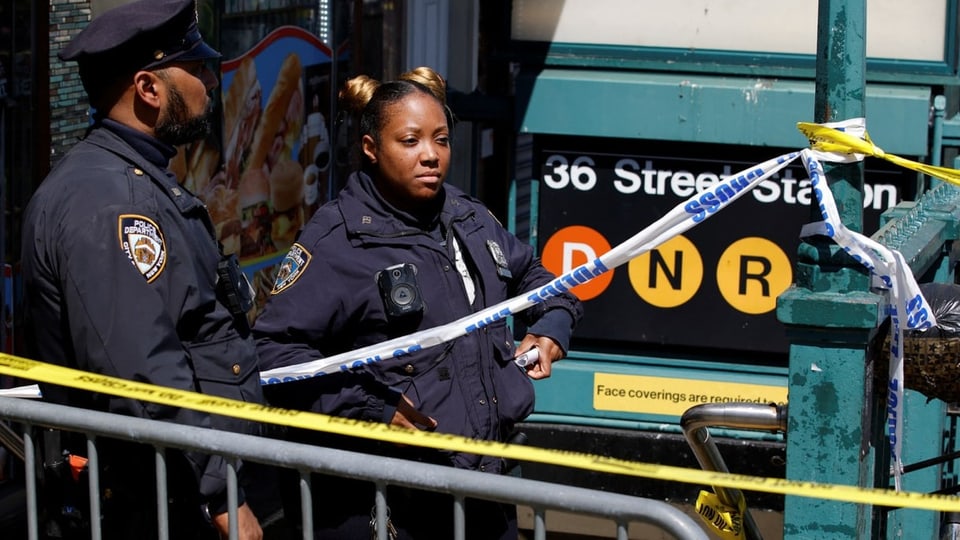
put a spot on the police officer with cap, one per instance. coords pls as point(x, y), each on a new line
point(123, 275)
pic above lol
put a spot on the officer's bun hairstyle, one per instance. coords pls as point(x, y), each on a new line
point(356, 93)
point(369, 98)
point(430, 79)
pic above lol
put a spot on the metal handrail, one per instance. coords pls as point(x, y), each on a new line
point(695, 422)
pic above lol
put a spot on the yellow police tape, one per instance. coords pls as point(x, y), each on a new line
point(725, 520)
point(47, 373)
point(828, 139)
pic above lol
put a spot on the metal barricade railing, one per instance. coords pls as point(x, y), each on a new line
point(306, 459)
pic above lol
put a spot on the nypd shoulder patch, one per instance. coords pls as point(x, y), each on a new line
point(142, 241)
point(291, 268)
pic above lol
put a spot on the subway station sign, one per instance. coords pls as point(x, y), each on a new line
point(714, 287)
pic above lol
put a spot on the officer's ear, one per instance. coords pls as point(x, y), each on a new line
point(369, 147)
point(146, 85)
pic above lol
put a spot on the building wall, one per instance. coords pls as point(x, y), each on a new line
point(69, 109)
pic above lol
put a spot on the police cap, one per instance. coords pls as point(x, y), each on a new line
point(143, 34)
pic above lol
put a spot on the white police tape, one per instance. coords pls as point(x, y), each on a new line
point(682, 217)
point(30, 391)
point(904, 302)
point(528, 358)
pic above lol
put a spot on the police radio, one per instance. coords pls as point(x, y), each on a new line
point(233, 287)
point(399, 290)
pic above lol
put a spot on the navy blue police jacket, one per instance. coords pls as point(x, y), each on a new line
point(327, 301)
point(120, 278)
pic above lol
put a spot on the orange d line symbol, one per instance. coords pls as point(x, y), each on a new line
point(572, 246)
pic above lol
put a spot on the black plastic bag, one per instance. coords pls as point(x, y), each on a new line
point(944, 300)
point(931, 358)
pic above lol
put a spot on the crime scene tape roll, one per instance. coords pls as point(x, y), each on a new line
point(48, 373)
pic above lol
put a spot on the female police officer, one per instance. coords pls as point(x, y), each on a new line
point(120, 264)
point(400, 251)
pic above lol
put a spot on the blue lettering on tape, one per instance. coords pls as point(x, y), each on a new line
point(712, 200)
point(486, 321)
point(814, 172)
point(359, 363)
point(577, 276)
point(893, 398)
point(288, 378)
point(404, 352)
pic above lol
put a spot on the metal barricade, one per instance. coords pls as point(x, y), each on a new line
point(382, 472)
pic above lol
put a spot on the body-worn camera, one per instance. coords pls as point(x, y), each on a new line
point(399, 290)
point(233, 287)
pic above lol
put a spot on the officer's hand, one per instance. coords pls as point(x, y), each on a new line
point(247, 524)
point(407, 416)
point(550, 352)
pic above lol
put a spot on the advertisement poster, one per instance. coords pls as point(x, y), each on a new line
point(269, 172)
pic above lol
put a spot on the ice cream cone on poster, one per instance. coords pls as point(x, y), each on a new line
point(315, 158)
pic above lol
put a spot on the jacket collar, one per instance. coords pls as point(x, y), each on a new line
point(152, 149)
point(366, 213)
point(145, 153)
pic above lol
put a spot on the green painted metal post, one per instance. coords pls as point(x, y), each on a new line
point(835, 422)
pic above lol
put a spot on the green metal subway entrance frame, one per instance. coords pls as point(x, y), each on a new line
point(837, 412)
point(835, 423)
point(704, 108)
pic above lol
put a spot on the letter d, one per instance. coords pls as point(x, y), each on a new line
point(569, 248)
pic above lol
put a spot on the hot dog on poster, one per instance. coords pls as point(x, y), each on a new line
point(282, 118)
point(241, 112)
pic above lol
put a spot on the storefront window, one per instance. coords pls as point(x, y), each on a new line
point(21, 161)
point(17, 131)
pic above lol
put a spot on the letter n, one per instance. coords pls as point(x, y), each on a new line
point(657, 262)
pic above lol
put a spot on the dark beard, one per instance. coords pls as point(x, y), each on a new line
point(177, 128)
